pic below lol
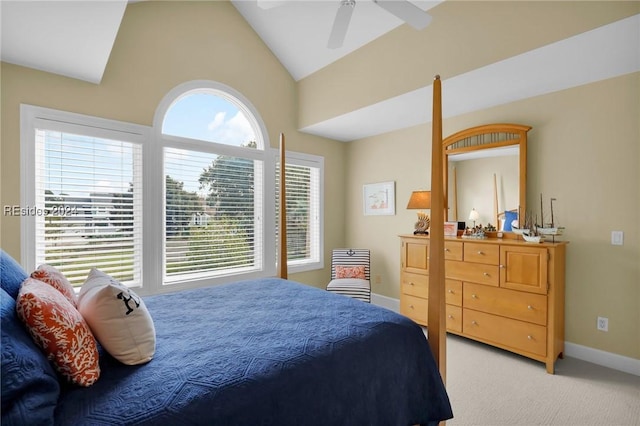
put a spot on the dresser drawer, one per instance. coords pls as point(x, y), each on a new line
point(414, 284)
point(414, 308)
point(474, 272)
point(508, 332)
point(454, 318)
point(453, 250)
point(482, 253)
point(507, 303)
point(453, 295)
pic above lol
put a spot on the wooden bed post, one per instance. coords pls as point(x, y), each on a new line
point(436, 309)
point(282, 230)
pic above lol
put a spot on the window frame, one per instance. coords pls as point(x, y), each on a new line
point(35, 117)
point(153, 144)
point(163, 141)
point(311, 161)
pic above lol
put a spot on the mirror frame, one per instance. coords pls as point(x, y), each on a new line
point(489, 136)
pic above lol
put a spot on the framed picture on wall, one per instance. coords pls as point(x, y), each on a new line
point(379, 198)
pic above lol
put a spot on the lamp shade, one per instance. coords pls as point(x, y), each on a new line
point(474, 215)
point(420, 200)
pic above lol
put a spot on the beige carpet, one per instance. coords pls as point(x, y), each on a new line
point(489, 386)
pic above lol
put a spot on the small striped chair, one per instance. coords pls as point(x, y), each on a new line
point(350, 273)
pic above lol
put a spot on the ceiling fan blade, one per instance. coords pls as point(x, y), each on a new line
point(408, 12)
point(341, 24)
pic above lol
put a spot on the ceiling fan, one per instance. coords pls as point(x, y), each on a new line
point(403, 9)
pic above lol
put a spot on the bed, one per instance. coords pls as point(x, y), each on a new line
point(260, 352)
point(263, 352)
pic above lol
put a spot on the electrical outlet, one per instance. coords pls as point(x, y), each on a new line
point(603, 324)
point(617, 238)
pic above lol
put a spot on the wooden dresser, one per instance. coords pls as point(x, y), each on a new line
point(503, 292)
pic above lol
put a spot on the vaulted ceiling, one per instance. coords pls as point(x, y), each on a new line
point(75, 39)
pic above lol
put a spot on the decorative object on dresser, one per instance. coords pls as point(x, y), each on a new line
point(532, 238)
point(474, 215)
point(420, 200)
point(505, 293)
point(533, 232)
point(548, 229)
point(450, 229)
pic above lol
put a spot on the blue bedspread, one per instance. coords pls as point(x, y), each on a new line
point(268, 352)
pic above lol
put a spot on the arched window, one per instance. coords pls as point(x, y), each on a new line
point(214, 116)
point(216, 171)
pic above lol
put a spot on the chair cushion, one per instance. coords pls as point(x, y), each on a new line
point(352, 287)
point(349, 283)
point(30, 387)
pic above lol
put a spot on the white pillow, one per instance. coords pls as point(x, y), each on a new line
point(118, 318)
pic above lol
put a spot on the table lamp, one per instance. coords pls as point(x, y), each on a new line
point(420, 200)
point(474, 215)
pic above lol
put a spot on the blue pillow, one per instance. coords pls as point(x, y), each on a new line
point(11, 274)
point(508, 218)
point(30, 387)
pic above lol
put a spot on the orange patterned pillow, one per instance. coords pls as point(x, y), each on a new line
point(356, 271)
point(59, 329)
point(50, 275)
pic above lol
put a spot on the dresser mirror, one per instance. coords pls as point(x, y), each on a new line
point(485, 175)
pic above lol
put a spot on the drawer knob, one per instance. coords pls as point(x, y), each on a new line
point(450, 316)
point(486, 274)
point(530, 337)
point(501, 266)
point(411, 283)
point(473, 296)
point(529, 307)
point(450, 291)
point(446, 249)
point(474, 322)
point(411, 306)
point(480, 252)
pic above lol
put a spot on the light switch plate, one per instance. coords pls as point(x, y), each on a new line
point(617, 238)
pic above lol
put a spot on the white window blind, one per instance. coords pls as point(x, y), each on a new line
point(88, 191)
point(303, 210)
point(213, 207)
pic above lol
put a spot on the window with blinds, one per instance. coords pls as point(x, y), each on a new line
point(303, 210)
point(189, 202)
point(213, 204)
point(88, 195)
point(214, 163)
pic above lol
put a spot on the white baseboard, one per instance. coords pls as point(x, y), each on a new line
point(585, 353)
point(606, 359)
point(386, 302)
